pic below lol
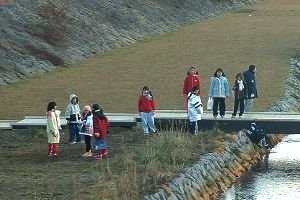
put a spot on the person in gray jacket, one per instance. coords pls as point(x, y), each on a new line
point(73, 118)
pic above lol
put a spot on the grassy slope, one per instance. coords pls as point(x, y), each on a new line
point(232, 41)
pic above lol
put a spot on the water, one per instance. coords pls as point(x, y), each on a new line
point(276, 178)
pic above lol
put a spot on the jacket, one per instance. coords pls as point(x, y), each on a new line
point(237, 93)
point(52, 127)
point(73, 111)
point(250, 80)
point(219, 87)
point(189, 82)
point(146, 104)
point(100, 126)
point(194, 107)
point(87, 125)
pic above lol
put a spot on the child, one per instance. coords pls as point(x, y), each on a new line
point(194, 110)
point(74, 119)
point(192, 79)
point(239, 91)
point(52, 129)
point(101, 125)
point(219, 90)
point(147, 107)
point(87, 130)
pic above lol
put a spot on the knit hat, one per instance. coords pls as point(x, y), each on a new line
point(87, 108)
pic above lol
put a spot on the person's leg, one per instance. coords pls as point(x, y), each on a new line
point(72, 133)
point(87, 140)
point(249, 105)
point(50, 149)
point(192, 128)
point(242, 107)
point(215, 106)
point(55, 149)
point(236, 105)
point(222, 107)
point(78, 136)
point(144, 122)
point(150, 122)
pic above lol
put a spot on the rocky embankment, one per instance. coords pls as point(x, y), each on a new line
point(216, 171)
point(40, 36)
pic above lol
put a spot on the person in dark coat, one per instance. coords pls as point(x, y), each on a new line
point(250, 80)
point(240, 91)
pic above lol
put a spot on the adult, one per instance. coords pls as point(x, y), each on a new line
point(73, 118)
point(192, 79)
point(219, 90)
point(250, 80)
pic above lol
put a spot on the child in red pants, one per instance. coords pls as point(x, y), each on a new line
point(53, 126)
point(101, 125)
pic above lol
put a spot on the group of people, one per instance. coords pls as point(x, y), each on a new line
point(83, 126)
point(244, 91)
point(92, 122)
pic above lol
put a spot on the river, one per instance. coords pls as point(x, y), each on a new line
point(277, 177)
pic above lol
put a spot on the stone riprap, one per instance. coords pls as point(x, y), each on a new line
point(214, 172)
point(90, 27)
point(291, 97)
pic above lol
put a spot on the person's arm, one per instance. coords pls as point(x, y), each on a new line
point(210, 91)
point(153, 105)
point(227, 90)
point(185, 85)
point(140, 104)
point(67, 113)
point(89, 121)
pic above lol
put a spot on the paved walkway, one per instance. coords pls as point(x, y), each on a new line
point(273, 121)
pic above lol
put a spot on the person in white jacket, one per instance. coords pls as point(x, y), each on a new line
point(195, 109)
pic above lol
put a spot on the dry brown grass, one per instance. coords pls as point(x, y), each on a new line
point(232, 41)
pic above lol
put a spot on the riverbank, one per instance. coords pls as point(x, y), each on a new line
point(232, 41)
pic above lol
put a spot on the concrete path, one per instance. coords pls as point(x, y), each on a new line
point(275, 122)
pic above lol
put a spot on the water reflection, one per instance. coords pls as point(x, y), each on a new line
point(277, 177)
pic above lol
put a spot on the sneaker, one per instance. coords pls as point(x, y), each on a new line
point(233, 116)
point(241, 116)
point(98, 157)
point(215, 116)
point(222, 116)
point(81, 142)
point(88, 154)
point(72, 142)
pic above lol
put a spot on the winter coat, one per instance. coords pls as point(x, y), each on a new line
point(237, 93)
point(73, 111)
point(194, 105)
point(189, 82)
point(87, 125)
point(249, 77)
point(100, 126)
point(52, 127)
point(219, 87)
point(146, 104)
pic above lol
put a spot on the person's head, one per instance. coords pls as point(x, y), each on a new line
point(239, 76)
point(252, 68)
point(192, 71)
point(73, 99)
point(146, 91)
point(98, 111)
point(51, 106)
point(87, 109)
point(219, 72)
point(196, 89)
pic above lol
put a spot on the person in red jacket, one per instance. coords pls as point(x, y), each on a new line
point(101, 125)
point(192, 79)
point(147, 108)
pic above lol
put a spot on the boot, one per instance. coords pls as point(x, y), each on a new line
point(55, 149)
point(50, 149)
point(88, 154)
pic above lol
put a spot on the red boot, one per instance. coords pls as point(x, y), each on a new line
point(104, 152)
point(50, 149)
point(55, 149)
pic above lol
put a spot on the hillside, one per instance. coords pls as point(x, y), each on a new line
point(39, 37)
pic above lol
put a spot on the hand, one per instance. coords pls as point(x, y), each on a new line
point(97, 134)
